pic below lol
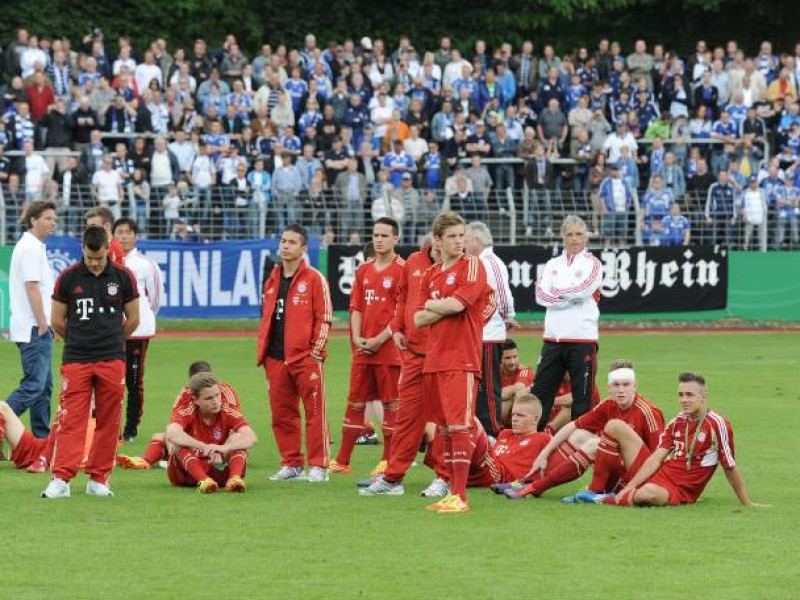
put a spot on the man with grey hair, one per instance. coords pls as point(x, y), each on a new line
point(488, 409)
point(568, 288)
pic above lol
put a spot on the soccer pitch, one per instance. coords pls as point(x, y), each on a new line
point(297, 540)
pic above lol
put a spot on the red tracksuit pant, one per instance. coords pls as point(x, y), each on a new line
point(288, 382)
point(411, 417)
point(107, 381)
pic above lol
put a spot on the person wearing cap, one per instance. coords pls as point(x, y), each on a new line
point(619, 200)
point(585, 441)
point(754, 209)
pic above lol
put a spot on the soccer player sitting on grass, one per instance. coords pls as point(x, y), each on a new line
point(691, 447)
point(574, 447)
point(157, 450)
point(211, 441)
point(511, 456)
point(516, 379)
point(26, 450)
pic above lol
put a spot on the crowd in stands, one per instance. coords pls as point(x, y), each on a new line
point(210, 143)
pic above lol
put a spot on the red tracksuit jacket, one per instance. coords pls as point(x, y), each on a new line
point(308, 314)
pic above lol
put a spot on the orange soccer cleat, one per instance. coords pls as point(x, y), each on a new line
point(132, 462)
point(236, 484)
point(207, 486)
point(336, 467)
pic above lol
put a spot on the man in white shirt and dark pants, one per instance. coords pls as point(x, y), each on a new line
point(31, 286)
point(151, 294)
point(488, 408)
point(569, 289)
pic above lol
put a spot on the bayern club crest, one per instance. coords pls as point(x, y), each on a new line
point(387, 283)
point(451, 279)
point(217, 434)
point(112, 288)
point(701, 437)
point(302, 287)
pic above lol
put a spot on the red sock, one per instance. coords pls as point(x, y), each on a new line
point(462, 448)
point(389, 420)
point(625, 499)
point(156, 450)
point(351, 428)
point(572, 465)
point(193, 465)
point(237, 461)
point(2, 433)
point(607, 466)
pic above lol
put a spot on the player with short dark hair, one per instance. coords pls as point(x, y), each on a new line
point(151, 288)
point(375, 367)
point(95, 309)
point(292, 345)
point(103, 217)
point(688, 452)
point(211, 441)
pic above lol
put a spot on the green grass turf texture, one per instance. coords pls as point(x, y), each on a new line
point(295, 540)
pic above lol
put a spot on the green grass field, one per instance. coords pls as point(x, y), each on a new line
point(297, 541)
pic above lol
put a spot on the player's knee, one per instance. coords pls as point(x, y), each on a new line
point(614, 428)
point(649, 495)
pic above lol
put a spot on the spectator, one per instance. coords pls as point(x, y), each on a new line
point(408, 198)
point(640, 63)
point(350, 190)
point(675, 228)
point(720, 211)
point(754, 212)
point(287, 183)
point(107, 187)
point(619, 203)
point(59, 135)
point(656, 205)
point(540, 179)
point(672, 176)
point(164, 172)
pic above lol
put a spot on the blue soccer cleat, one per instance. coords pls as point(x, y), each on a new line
point(500, 488)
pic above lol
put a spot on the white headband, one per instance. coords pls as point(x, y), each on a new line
point(623, 374)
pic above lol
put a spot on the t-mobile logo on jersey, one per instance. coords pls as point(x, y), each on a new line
point(85, 308)
point(370, 296)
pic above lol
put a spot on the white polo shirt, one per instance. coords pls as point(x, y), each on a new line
point(28, 263)
point(107, 183)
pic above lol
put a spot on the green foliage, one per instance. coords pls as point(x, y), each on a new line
point(567, 23)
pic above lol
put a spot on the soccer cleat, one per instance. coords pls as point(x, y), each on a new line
point(438, 488)
point(457, 506)
point(365, 483)
point(207, 486)
point(519, 493)
point(57, 488)
point(442, 503)
point(381, 487)
point(289, 474)
point(603, 498)
point(380, 468)
point(37, 466)
point(339, 468)
point(500, 488)
point(132, 462)
point(317, 475)
point(95, 488)
point(367, 439)
point(236, 484)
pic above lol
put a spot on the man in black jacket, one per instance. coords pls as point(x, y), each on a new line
point(59, 134)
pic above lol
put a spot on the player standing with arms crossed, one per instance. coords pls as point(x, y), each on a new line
point(151, 294)
point(376, 360)
point(453, 299)
point(292, 338)
point(95, 309)
point(412, 410)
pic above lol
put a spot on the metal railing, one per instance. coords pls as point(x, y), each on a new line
point(514, 216)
